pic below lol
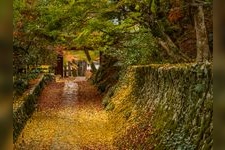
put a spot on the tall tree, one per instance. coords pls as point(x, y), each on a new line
point(203, 53)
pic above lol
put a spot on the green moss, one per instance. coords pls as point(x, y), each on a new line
point(110, 107)
point(176, 100)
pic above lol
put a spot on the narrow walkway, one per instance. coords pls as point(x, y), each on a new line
point(69, 117)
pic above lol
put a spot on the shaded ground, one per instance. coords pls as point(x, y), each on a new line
point(69, 117)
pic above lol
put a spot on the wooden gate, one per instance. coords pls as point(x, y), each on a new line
point(59, 67)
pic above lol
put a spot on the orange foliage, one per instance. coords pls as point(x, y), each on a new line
point(175, 14)
point(59, 49)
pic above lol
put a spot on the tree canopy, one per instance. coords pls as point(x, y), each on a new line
point(137, 32)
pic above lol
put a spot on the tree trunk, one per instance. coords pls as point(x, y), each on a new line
point(101, 55)
point(69, 69)
point(89, 60)
point(202, 44)
point(172, 50)
point(164, 40)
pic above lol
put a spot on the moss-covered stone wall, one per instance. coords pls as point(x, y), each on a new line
point(26, 104)
point(163, 107)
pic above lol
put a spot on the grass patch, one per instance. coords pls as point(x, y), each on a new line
point(80, 55)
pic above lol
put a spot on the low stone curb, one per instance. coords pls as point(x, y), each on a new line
point(24, 107)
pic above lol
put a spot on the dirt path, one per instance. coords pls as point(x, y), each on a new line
point(69, 117)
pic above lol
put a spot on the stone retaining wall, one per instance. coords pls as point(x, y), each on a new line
point(163, 107)
point(26, 104)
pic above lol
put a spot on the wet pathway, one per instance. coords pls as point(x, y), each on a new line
point(69, 117)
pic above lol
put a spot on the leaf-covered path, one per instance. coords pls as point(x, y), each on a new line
point(69, 117)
